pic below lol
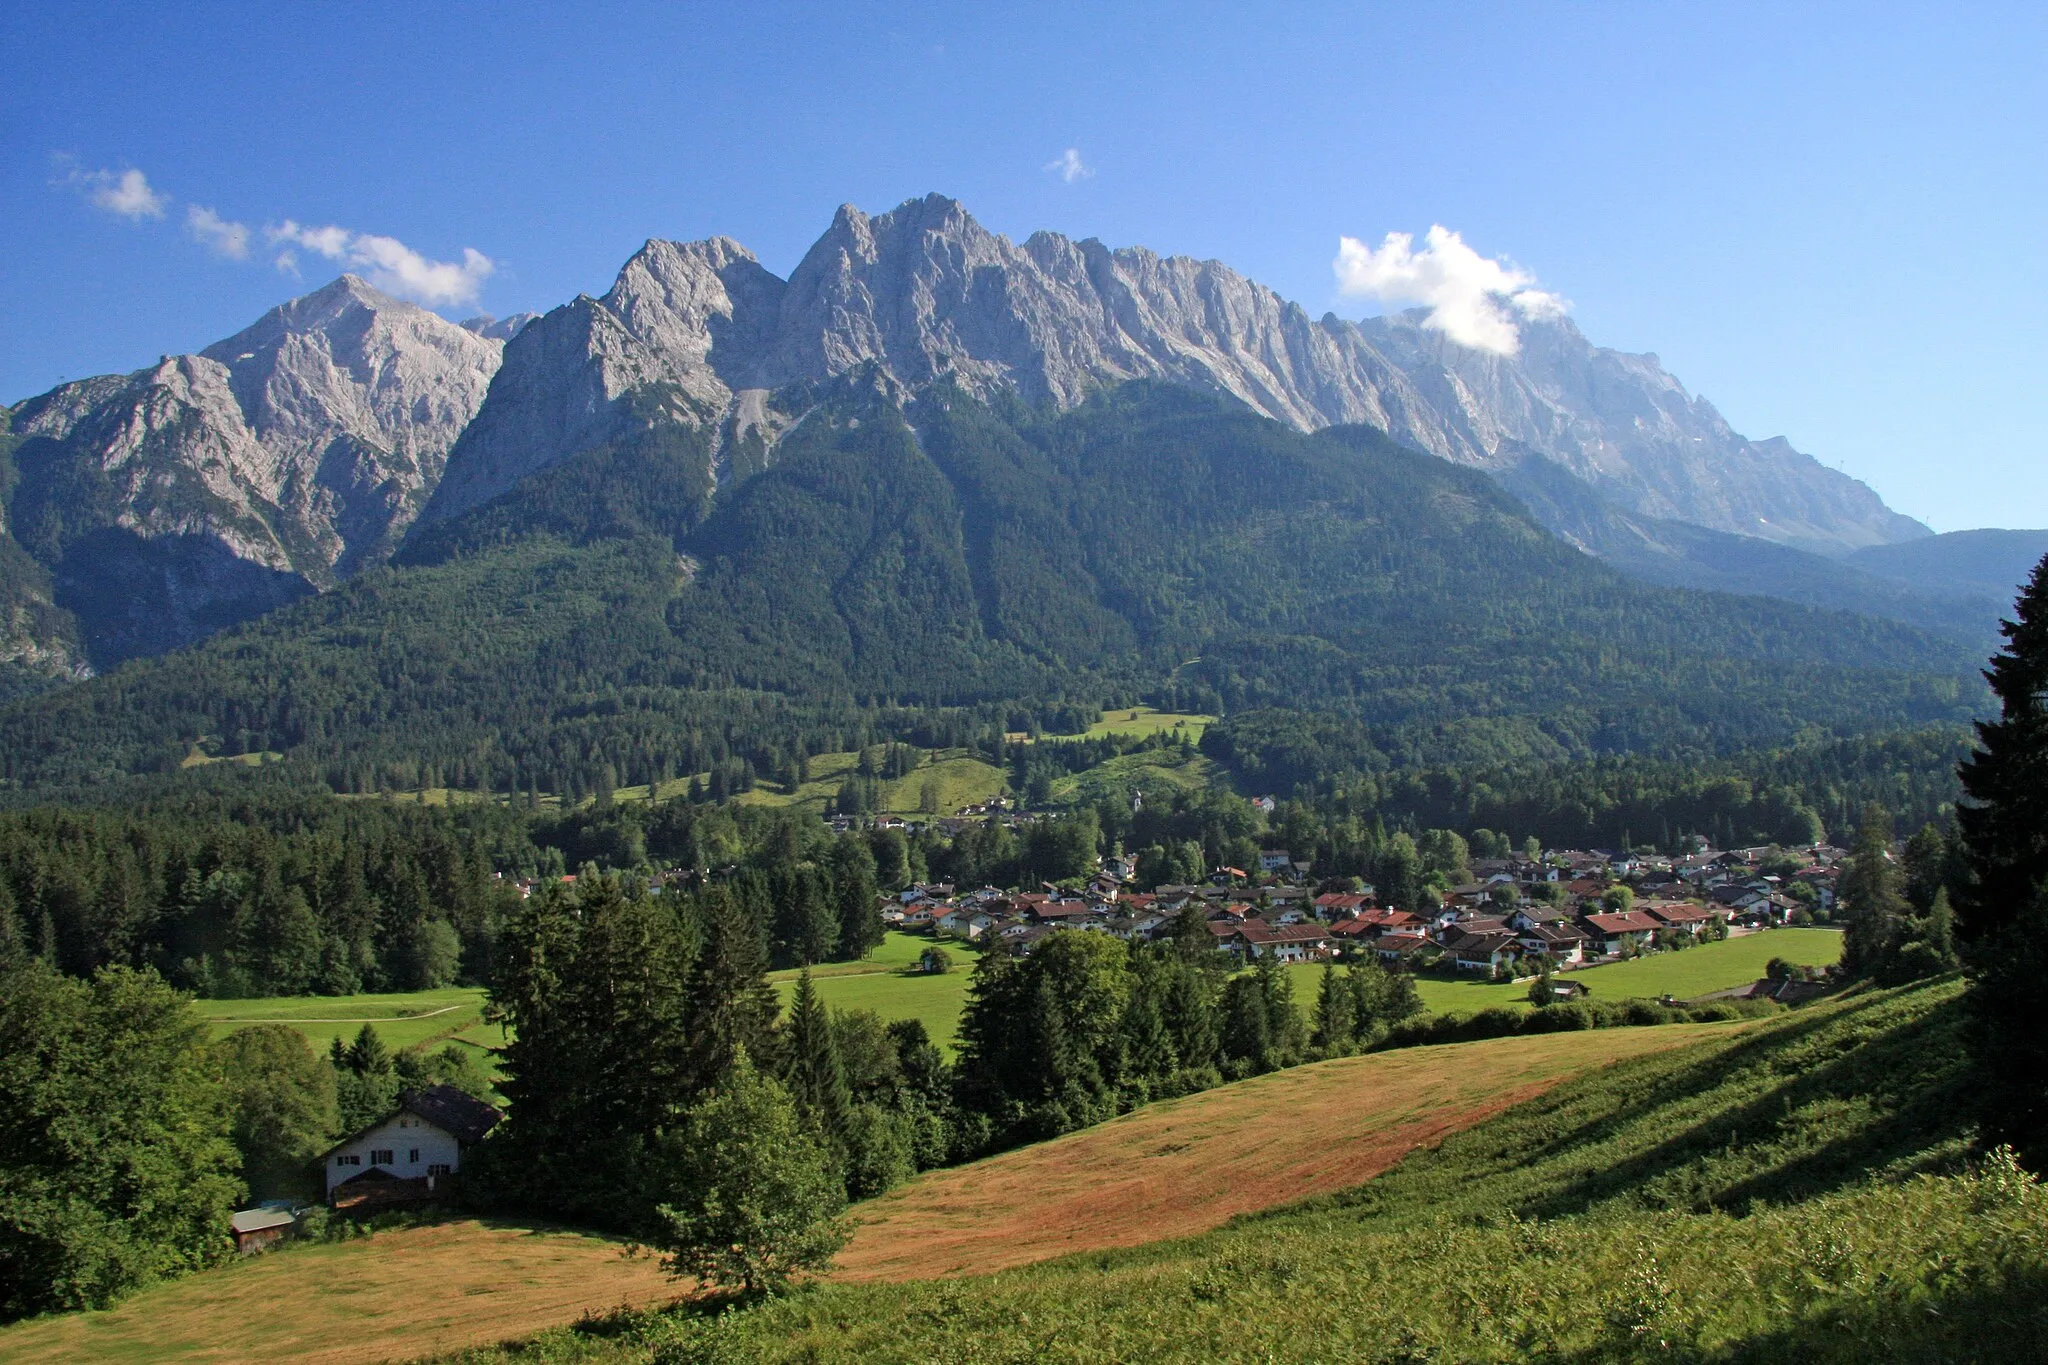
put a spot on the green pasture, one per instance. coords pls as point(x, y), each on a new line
point(1143, 720)
point(1686, 974)
point(401, 1019)
point(883, 984)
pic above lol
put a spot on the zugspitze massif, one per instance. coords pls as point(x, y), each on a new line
point(168, 503)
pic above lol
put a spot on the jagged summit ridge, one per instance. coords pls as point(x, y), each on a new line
point(925, 291)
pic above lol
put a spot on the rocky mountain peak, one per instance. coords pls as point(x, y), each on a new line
point(277, 460)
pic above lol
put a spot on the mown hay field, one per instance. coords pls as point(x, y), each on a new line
point(395, 1295)
point(1184, 1166)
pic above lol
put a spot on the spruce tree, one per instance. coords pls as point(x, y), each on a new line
point(855, 897)
point(731, 1005)
point(815, 1079)
point(2001, 911)
point(1871, 903)
point(1336, 1016)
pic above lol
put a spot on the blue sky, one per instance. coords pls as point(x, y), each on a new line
point(1827, 220)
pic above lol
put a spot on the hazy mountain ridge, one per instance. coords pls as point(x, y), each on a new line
point(1681, 555)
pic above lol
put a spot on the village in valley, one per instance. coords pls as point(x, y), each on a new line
point(1537, 915)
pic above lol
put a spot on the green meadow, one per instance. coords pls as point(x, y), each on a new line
point(1686, 974)
point(401, 1020)
point(887, 983)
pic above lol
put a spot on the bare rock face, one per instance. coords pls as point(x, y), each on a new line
point(1624, 425)
point(192, 494)
point(277, 461)
point(602, 372)
point(925, 293)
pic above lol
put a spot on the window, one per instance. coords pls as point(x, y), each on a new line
point(381, 1157)
point(438, 1168)
point(415, 1157)
point(351, 1160)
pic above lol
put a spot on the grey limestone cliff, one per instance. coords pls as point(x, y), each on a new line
point(696, 336)
point(207, 487)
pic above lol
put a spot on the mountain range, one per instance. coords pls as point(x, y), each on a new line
point(165, 504)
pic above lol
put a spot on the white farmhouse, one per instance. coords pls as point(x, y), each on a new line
point(405, 1156)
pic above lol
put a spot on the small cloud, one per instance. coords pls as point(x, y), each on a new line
point(1069, 167)
point(125, 195)
point(1472, 299)
point(223, 237)
point(287, 263)
point(388, 263)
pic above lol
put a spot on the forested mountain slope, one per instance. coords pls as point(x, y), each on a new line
point(895, 569)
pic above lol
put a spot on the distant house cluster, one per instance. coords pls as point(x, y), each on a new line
point(1517, 916)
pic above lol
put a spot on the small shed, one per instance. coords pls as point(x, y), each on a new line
point(260, 1229)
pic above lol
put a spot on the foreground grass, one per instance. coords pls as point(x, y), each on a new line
point(391, 1296)
point(1792, 1190)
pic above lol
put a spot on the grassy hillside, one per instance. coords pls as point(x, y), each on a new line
point(1184, 1166)
point(1790, 1190)
point(880, 983)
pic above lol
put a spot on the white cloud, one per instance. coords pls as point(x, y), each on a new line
point(225, 238)
point(126, 195)
point(1069, 167)
point(1472, 299)
point(388, 263)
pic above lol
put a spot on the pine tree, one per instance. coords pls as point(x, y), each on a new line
point(814, 1077)
point(1336, 1013)
point(1189, 1016)
point(855, 896)
point(731, 1005)
point(2002, 908)
point(1871, 903)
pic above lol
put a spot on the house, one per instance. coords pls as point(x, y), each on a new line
point(1684, 916)
point(1274, 859)
point(402, 1157)
point(1283, 942)
point(1484, 952)
point(1610, 931)
point(966, 922)
point(1337, 905)
point(1559, 942)
point(1401, 949)
point(257, 1230)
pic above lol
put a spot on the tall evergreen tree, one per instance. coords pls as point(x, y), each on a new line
point(1872, 905)
point(2002, 909)
point(731, 1005)
point(1336, 1013)
point(856, 898)
point(812, 1072)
